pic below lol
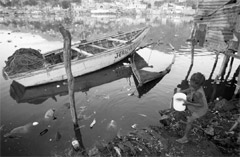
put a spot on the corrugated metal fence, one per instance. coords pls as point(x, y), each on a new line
point(217, 25)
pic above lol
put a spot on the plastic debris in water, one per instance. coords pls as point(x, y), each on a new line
point(35, 123)
point(126, 64)
point(118, 151)
point(142, 115)
point(134, 126)
point(131, 94)
point(19, 130)
point(93, 123)
point(43, 132)
point(75, 144)
point(112, 125)
point(50, 114)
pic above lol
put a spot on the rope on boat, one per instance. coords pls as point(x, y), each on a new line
point(23, 60)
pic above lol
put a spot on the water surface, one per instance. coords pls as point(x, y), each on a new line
point(104, 95)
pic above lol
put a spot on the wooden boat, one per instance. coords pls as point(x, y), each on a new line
point(145, 80)
point(87, 57)
point(39, 94)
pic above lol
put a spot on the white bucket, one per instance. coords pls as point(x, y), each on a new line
point(178, 104)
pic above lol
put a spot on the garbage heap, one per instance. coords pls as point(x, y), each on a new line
point(215, 134)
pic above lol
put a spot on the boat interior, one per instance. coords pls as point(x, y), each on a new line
point(87, 49)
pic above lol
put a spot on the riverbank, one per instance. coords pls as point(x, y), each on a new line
point(212, 135)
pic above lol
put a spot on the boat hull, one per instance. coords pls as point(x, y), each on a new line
point(79, 67)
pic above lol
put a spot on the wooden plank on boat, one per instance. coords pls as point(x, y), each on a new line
point(136, 72)
point(118, 40)
point(96, 46)
point(81, 51)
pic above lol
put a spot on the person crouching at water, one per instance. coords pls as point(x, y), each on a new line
point(196, 102)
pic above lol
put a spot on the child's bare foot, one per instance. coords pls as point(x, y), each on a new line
point(182, 140)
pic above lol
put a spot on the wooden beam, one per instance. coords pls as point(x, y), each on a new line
point(135, 71)
point(82, 52)
point(96, 46)
point(117, 40)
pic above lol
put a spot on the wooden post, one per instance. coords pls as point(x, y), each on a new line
point(193, 42)
point(192, 51)
point(67, 63)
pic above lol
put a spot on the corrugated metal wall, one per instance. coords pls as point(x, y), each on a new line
point(221, 22)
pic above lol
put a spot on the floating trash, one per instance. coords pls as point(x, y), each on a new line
point(134, 126)
point(112, 125)
point(128, 89)
point(75, 145)
point(43, 132)
point(126, 64)
point(131, 94)
point(50, 114)
point(118, 151)
point(19, 130)
point(143, 115)
point(35, 123)
point(93, 123)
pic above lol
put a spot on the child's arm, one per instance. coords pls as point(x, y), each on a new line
point(198, 102)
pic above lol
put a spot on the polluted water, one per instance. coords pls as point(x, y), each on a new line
point(50, 114)
point(19, 131)
point(112, 125)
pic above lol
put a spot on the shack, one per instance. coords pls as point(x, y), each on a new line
point(217, 28)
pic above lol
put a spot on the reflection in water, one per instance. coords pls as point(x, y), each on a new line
point(78, 136)
point(143, 89)
point(83, 27)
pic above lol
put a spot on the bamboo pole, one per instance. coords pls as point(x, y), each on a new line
point(67, 63)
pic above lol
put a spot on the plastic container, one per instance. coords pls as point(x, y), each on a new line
point(178, 104)
point(75, 145)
